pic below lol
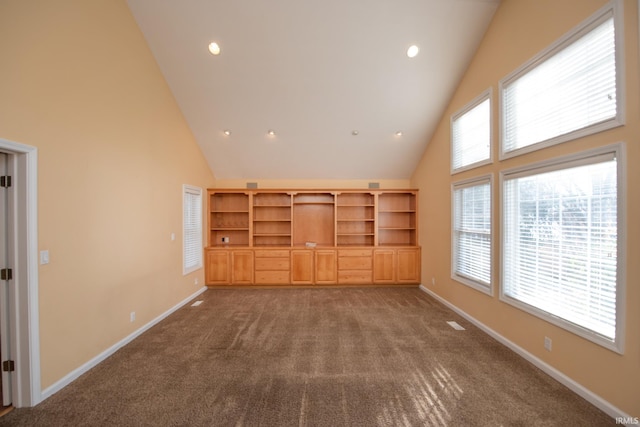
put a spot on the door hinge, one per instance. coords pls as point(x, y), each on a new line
point(8, 366)
point(6, 274)
point(5, 181)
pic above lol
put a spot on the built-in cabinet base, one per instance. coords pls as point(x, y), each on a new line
point(312, 266)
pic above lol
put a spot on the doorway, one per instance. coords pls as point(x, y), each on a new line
point(19, 324)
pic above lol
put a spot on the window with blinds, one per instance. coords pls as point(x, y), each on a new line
point(569, 91)
point(192, 229)
point(471, 135)
point(560, 243)
point(471, 260)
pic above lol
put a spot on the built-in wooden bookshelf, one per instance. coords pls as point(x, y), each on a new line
point(325, 218)
point(355, 219)
point(312, 237)
point(397, 219)
point(229, 219)
point(272, 219)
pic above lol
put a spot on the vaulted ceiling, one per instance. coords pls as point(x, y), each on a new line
point(330, 78)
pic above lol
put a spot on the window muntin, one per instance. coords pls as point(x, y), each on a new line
point(560, 244)
point(472, 237)
point(192, 229)
point(471, 135)
point(570, 90)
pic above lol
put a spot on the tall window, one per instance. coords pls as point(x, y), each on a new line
point(560, 243)
point(192, 228)
point(471, 261)
point(471, 134)
point(568, 91)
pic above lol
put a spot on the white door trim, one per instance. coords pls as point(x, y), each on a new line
point(5, 285)
point(25, 331)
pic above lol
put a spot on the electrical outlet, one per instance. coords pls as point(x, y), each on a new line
point(196, 281)
point(132, 316)
point(433, 280)
point(547, 343)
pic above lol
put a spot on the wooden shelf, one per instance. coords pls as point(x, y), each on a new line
point(313, 203)
point(397, 228)
point(314, 198)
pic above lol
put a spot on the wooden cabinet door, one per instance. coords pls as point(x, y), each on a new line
point(301, 267)
point(217, 268)
point(384, 266)
point(408, 265)
point(326, 267)
point(242, 267)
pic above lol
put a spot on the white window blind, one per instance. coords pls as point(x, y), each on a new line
point(569, 89)
point(472, 233)
point(192, 229)
point(471, 135)
point(560, 242)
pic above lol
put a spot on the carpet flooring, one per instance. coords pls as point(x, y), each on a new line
point(313, 357)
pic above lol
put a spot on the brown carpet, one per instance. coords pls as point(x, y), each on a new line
point(313, 357)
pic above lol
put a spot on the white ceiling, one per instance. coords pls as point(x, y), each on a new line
point(313, 71)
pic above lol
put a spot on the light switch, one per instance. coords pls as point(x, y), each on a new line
point(44, 257)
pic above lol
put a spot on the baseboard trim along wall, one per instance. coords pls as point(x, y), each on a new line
point(577, 388)
point(73, 375)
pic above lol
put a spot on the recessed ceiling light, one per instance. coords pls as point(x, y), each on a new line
point(271, 132)
point(354, 132)
point(413, 51)
point(226, 132)
point(214, 48)
point(399, 133)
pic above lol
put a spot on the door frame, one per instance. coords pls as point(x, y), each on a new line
point(5, 285)
point(23, 299)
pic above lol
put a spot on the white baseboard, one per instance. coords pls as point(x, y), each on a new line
point(577, 388)
point(73, 375)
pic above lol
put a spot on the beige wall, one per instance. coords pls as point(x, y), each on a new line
point(314, 183)
point(520, 29)
point(78, 82)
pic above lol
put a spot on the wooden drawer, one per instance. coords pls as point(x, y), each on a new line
point(355, 263)
point(272, 277)
point(354, 252)
point(272, 264)
point(272, 253)
point(355, 277)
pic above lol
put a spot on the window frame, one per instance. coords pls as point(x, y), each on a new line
point(464, 279)
point(614, 9)
point(196, 191)
point(485, 95)
point(561, 163)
